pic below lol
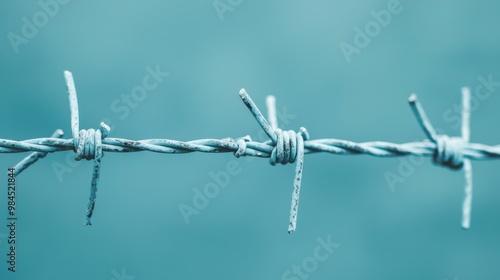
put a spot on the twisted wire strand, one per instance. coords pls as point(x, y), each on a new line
point(474, 151)
point(283, 147)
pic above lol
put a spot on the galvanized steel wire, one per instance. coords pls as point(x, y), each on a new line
point(283, 147)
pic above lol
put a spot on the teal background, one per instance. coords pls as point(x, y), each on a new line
point(286, 48)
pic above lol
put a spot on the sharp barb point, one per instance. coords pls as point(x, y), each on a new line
point(412, 98)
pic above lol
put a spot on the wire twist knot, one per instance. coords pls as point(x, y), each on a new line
point(449, 151)
point(88, 144)
point(287, 144)
point(242, 145)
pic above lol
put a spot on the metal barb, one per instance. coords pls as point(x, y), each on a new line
point(87, 143)
point(257, 114)
point(450, 150)
point(73, 106)
point(422, 118)
point(467, 205)
point(287, 146)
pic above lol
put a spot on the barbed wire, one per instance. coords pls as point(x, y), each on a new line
point(283, 147)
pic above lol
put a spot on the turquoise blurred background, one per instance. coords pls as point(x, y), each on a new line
point(409, 229)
